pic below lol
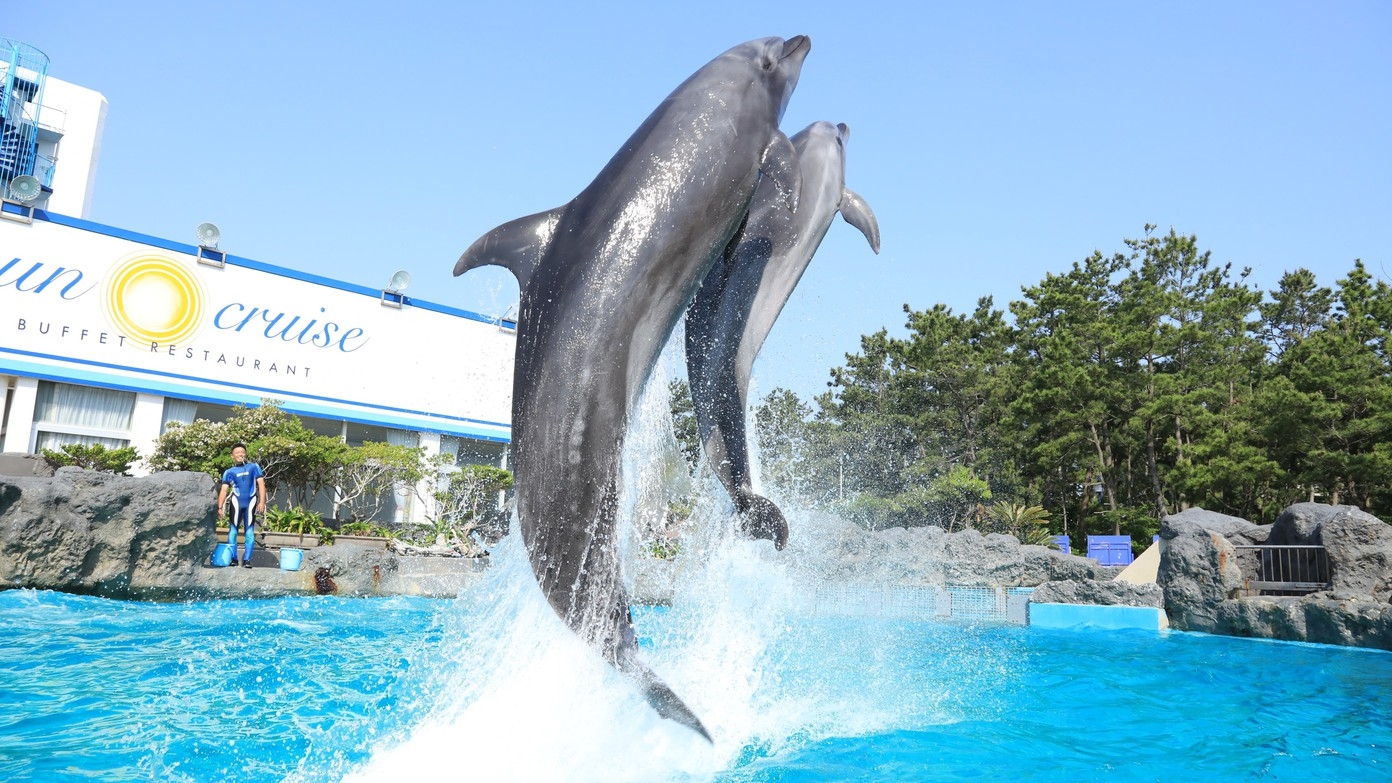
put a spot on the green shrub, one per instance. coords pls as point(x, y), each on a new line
point(364, 529)
point(298, 520)
point(93, 457)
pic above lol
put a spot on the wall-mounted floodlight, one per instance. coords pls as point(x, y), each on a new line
point(391, 295)
point(208, 235)
point(509, 315)
point(208, 238)
point(23, 191)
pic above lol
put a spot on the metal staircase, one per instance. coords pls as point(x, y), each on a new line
point(23, 70)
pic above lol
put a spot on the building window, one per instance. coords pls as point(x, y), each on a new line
point(468, 451)
point(175, 409)
point(64, 414)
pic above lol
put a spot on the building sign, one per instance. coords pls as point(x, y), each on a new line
point(88, 304)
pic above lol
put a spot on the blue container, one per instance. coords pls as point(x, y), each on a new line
point(1063, 544)
point(1110, 550)
point(290, 559)
point(222, 555)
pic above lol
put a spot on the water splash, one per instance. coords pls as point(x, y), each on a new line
point(525, 699)
point(521, 698)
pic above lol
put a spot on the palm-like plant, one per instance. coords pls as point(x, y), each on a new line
point(1029, 524)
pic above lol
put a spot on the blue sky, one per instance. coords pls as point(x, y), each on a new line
point(996, 141)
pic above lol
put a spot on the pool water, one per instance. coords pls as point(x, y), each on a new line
point(491, 687)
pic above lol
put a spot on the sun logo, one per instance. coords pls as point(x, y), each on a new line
point(154, 299)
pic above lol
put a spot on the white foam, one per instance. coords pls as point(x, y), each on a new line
point(526, 700)
point(521, 698)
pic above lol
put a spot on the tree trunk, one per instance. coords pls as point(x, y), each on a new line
point(1155, 471)
point(1104, 461)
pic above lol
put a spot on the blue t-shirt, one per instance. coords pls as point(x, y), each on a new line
point(242, 480)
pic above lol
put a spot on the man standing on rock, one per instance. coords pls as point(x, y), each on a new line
point(248, 490)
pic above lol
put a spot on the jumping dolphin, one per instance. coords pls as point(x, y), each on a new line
point(603, 281)
point(743, 294)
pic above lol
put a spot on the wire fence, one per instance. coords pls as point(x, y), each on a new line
point(922, 602)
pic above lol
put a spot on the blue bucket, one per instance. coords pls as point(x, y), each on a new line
point(222, 555)
point(290, 559)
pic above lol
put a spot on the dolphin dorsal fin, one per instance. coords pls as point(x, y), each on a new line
point(780, 164)
point(517, 244)
point(857, 212)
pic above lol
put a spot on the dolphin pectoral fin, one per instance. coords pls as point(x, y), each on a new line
point(763, 519)
point(857, 212)
point(517, 244)
point(780, 164)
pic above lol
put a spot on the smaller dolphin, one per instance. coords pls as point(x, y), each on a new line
point(742, 295)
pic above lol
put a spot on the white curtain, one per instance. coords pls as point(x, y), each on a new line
point(57, 440)
point(84, 406)
point(175, 409)
point(65, 414)
point(403, 438)
point(450, 445)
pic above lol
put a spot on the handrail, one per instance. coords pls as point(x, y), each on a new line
point(1285, 568)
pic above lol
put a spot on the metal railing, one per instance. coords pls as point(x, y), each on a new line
point(1283, 569)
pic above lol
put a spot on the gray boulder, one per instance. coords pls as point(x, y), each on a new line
point(353, 570)
point(1043, 564)
point(1262, 617)
point(1212, 521)
point(1359, 546)
point(1347, 619)
point(21, 464)
point(111, 535)
point(1299, 525)
point(1256, 535)
point(1098, 593)
point(1198, 571)
point(838, 551)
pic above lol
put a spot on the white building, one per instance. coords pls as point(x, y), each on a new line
point(107, 335)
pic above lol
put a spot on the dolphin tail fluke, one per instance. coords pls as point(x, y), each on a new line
point(763, 519)
point(517, 244)
point(857, 212)
point(663, 699)
point(670, 706)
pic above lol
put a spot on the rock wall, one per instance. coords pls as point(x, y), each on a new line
point(1198, 567)
point(1100, 593)
point(20, 464)
point(1203, 576)
point(151, 537)
point(85, 531)
point(837, 551)
point(1359, 545)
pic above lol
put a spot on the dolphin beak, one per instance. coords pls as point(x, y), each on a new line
point(797, 46)
point(844, 131)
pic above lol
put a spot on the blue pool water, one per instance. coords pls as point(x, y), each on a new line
point(490, 687)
